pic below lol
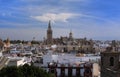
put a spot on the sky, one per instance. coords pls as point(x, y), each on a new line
point(93, 19)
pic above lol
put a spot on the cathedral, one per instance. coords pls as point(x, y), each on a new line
point(68, 43)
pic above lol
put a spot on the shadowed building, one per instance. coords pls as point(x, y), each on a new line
point(110, 61)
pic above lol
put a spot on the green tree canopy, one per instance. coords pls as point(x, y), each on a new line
point(24, 71)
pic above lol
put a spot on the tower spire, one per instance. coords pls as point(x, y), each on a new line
point(49, 24)
point(49, 33)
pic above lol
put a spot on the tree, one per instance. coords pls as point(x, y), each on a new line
point(24, 71)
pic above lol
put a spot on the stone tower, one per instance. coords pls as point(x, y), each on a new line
point(110, 64)
point(71, 36)
point(8, 42)
point(49, 34)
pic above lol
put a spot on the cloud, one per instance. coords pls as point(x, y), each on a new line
point(62, 17)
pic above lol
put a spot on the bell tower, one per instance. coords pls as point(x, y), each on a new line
point(70, 36)
point(49, 34)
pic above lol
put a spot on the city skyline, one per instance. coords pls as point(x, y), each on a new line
point(25, 19)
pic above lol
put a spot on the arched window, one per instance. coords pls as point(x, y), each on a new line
point(111, 61)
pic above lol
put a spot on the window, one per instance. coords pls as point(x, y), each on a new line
point(111, 61)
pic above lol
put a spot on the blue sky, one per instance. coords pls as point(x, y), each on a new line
point(25, 19)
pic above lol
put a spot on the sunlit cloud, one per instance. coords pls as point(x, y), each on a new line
point(62, 17)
